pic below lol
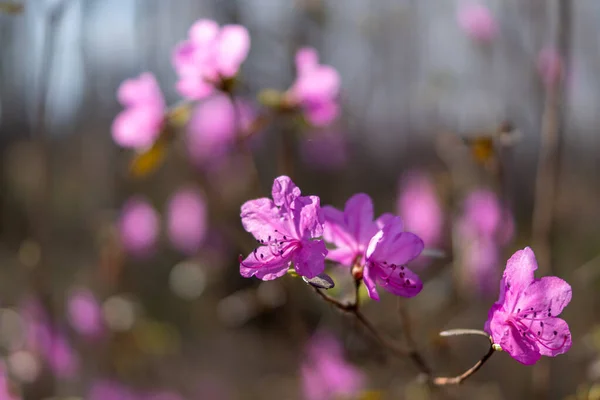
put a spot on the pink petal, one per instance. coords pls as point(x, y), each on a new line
point(284, 192)
point(358, 215)
point(261, 218)
point(343, 256)
point(306, 59)
point(549, 294)
point(518, 275)
point(394, 246)
point(386, 218)
point(322, 114)
point(555, 344)
point(187, 220)
point(308, 215)
point(234, 45)
point(320, 84)
point(203, 32)
point(524, 351)
point(141, 90)
point(194, 87)
point(478, 22)
point(138, 226)
point(335, 231)
point(84, 312)
point(137, 127)
point(406, 285)
point(265, 265)
point(310, 260)
point(369, 278)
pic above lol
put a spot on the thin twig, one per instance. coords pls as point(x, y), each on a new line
point(457, 380)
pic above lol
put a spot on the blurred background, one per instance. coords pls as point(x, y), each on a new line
point(480, 131)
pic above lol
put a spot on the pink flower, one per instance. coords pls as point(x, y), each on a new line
point(419, 207)
point(550, 66)
point(477, 22)
point(61, 357)
point(315, 89)
point(187, 220)
point(524, 320)
point(388, 252)
point(140, 123)
point(138, 226)
point(326, 150)
point(284, 227)
point(213, 128)
point(351, 230)
point(325, 373)
point(84, 313)
point(209, 55)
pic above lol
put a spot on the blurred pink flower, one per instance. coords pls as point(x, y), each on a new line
point(316, 88)
point(187, 220)
point(325, 373)
point(550, 66)
point(213, 128)
point(140, 123)
point(138, 226)
point(84, 313)
point(325, 150)
point(209, 55)
point(477, 22)
point(5, 393)
point(419, 207)
point(483, 228)
point(61, 357)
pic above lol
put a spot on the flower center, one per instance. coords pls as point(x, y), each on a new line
point(530, 324)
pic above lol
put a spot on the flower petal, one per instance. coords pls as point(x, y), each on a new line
point(322, 114)
point(344, 256)
point(335, 230)
point(306, 59)
point(369, 277)
point(400, 281)
point(518, 275)
point(234, 45)
point(203, 32)
point(523, 350)
point(308, 216)
point(141, 90)
point(384, 219)
point(194, 87)
point(261, 218)
point(265, 265)
point(310, 260)
point(548, 295)
point(555, 344)
point(284, 192)
point(394, 246)
point(137, 127)
point(358, 215)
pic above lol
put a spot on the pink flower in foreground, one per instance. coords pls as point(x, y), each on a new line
point(419, 207)
point(315, 89)
point(285, 228)
point(388, 252)
point(138, 226)
point(140, 123)
point(187, 220)
point(550, 66)
point(351, 230)
point(326, 375)
point(213, 128)
point(209, 55)
point(524, 321)
point(477, 22)
point(84, 312)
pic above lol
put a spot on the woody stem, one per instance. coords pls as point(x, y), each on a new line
point(457, 380)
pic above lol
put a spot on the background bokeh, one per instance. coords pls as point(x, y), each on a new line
point(416, 91)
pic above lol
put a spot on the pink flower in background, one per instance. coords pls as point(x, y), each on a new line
point(285, 228)
point(5, 393)
point(84, 313)
point(209, 55)
point(388, 252)
point(326, 375)
point(187, 220)
point(138, 226)
point(325, 150)
point(352, 229)
point(550, 66)
point(140, 123)
point(316, 88)
point(477, 22)
point(419, 207)
point(213, 128)
point(61, 357)
point(484, 227)
point(524, 320)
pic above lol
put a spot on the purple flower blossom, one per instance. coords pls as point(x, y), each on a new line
point(352, 229)
point(477, 22)
point(213, 128)
point(524, 320)
point(315, 89)
point(138, 227)
point(187, 220)
point(381, 246)
point(419, 207)
point(209, 55)
point(284, 227)
point(326, 375)
point(84, 313)
point(140, 123)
